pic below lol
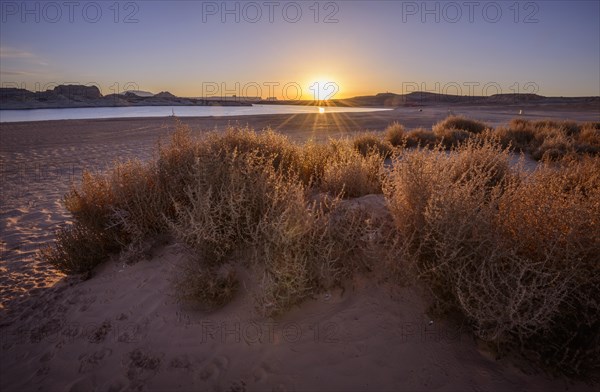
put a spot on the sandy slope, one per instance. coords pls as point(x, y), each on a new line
point(122, 330)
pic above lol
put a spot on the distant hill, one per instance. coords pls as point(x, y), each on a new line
point(139, 93)
point(421, 98)
point(79, 96)
point(164, 94)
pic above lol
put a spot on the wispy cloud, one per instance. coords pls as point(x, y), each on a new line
point(12, 53)
point(15, 73)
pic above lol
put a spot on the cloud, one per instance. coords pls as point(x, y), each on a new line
point(15, 73)
point(12, 53)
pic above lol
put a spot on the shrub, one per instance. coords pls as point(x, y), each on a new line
point(80, 247)
point(175, 161)
point(293, 253)
point(366, 143)
point(518, 139)
point(310, 248)
point(395, 134)
point(553, 148)
point(420, 137)
point(551, 140)
point(224, 202)
point(451, 137)
point(588, 140)
point(460, 123)
point(141, 201)
point(208, 286)
point(516, 255)
point(91, 206)
point(76, 249)
point(312, 162)
point(267, 144)
point(351, 174)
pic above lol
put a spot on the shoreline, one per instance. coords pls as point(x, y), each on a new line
point(413, 116)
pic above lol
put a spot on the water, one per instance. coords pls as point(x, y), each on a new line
point(164, 111)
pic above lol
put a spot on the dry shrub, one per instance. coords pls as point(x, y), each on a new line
point(363, 233)
point(554, 217)
point(349, 173)
point(76, 249)
point(368, 142)
point(554, 147)
point(517, 138)
point(420, 137)
point(118, 210)
point(516, 255)
point(91, 205)
point(222, 193)
point(239, 199)
point(551, 140)
point(451, 137)
point(113, 211)
point(80, 247)
point(588, 140)
point(269, 144)
point(208, 286)
point(308, 248)
point(293, 253)
point(395, 134)
point(225, 200)
point(460, 123)
point(420, 174)
point(485, 158)
point(175, 161)
point(313, 161)
point(141, 201)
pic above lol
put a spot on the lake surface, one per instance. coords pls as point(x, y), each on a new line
point(164, 111)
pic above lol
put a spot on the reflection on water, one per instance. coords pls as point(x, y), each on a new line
point(164, 111)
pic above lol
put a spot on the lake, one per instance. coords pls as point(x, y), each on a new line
point(164, 111)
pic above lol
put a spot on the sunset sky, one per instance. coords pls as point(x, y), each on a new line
point(195, 48)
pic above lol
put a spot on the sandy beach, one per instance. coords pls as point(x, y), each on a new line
point(124, 330)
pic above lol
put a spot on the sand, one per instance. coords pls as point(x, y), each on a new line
point(124, 330)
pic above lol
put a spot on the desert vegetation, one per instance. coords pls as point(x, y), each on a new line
point(513, 253)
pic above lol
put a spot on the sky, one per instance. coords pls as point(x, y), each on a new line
point(303, 49)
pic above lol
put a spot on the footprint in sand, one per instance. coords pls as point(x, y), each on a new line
point(261, 373)
point(47, 356)
point(142, 365)
point(89, 362)
point(100, 333)
point(214, 369)
point(87, 301)
point(180, 362)
point(82, 384)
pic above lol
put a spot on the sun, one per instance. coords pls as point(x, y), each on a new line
point(321, 110)
point(323, 89)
